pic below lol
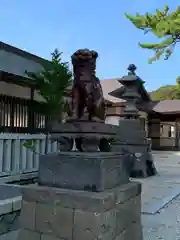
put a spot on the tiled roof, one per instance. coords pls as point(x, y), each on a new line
point(109, 85)
point(167, 106)
point(164, 106)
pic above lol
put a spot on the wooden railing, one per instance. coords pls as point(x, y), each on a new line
point(15, 159)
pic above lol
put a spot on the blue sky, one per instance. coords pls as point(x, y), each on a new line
point(39, 26)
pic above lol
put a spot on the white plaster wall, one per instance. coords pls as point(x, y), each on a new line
point(12, 63)
point(114, 120)
point(11, 89)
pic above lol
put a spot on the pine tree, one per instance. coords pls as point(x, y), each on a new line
point(178, 87)
point(52, 84)
point(164, 25)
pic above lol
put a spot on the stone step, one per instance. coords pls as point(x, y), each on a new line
point(10, 206)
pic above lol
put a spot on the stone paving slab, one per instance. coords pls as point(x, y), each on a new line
point(155, 197)
point(10, 236)
point(159, 190)
point(165, 225)
point(156, 193)
point(157, 203)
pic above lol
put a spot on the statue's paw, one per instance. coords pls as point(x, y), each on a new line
point(65, 144)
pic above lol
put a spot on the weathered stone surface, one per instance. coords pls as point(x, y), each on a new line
point(88, 225)
point(25, 234)
point(84, 127)
point(69, 198)
point(35, 193)
point(84, 171)
point(129, 208)
point(89, 201)
point(44, 215)
point(87, 144)
point(9, 222)
point(49, 237)
point(65, 144)
point(75, 215)
point(134, 231)
point(135, 134)
point(17, 203)
point(54, 220)
point(135, 142)
point(126, 192)
point(85, 135)
point(10, 205)
point(143, 165)
point(119, 146)
point(9, 192)
point(27, 217)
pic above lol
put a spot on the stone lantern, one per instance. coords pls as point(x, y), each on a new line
point(131, 83)
point(131, 132)
point(131, 95)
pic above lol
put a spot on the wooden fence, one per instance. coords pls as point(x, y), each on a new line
point(15, 159)
point(22, 115)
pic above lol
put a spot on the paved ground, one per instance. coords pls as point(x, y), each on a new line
point(157, 191)
point(160, 200)
point(10, 236)
point(164, 223)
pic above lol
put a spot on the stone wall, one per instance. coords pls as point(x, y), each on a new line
point(10, 206)
point(52, 214)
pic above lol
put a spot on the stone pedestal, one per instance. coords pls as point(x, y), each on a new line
point(84, 194)
point(90, 171)
point(134, 141)
point(54, 213)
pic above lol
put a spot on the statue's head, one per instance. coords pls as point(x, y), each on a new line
point(84, 55)
point(84, 62)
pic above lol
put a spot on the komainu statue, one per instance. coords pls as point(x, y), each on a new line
point(87, 96)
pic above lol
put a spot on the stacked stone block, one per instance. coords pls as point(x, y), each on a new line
point(54, 214)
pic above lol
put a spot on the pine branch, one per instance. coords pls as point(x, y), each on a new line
point(163, 24)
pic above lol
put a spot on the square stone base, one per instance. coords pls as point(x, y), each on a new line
point(52, 214)
point(93, 171)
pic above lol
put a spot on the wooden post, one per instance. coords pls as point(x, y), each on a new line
point(177, 134)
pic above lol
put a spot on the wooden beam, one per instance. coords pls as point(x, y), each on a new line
point(18, 80)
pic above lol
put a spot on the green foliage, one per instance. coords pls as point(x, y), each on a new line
point(178, 80)
point(29, 144)
point(52, 83)
point(167, 92)
point(164, 25)
point(178, 87)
